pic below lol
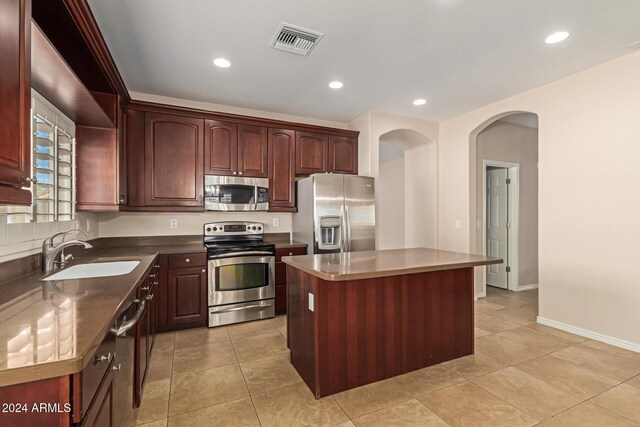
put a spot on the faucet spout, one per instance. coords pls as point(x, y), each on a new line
point(53, 252)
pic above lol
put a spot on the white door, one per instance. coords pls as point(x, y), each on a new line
point(497, 218)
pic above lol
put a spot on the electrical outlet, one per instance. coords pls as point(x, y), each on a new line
point(173, 223)
point(276, 221)
point(311, 305)
point(458, 224)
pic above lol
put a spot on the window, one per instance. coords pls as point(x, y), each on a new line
point(53, 175)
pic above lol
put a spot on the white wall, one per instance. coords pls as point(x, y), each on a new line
point(19, 240)
point(390, 191)
point(189, 223)
point(589, 203)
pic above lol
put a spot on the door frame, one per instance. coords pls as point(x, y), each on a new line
point(513, 234)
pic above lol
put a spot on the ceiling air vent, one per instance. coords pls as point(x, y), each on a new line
point(295, 39)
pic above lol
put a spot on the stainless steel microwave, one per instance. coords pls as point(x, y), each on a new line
point(233, 193)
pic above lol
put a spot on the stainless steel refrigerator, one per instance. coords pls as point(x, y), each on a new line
point(336, 213)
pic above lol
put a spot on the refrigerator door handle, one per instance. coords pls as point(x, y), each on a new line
point(343, 231)
point(347, 229)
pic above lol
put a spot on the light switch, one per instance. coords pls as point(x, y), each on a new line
point(311, 305)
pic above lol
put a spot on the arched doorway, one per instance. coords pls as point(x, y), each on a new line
point(504, 200)
point(406, 190)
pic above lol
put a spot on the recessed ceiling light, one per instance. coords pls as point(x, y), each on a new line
point(222, 63)
point(335, 84)
point(556, 37)
point(420, 101)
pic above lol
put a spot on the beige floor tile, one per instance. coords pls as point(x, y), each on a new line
point(623, 399)
point(423, 381)
point(155, 402)
point(491, 324)
point(200, 336)
point(567, 376)
point(371, 397)
point(634, 381)
point(160, 365)
point(474, 365)
point(519, 315)
point(557, 332)
point(345, 424)
point(250, 347)
point(605, 363)
point(164, 342)
point(480, 332)
point(587, 414)
point(469, 405)
point(267, 373)
point(613, 349)
point(531, 395)
point(483, 306)
point(238, 413)
point(531, 338)
point(406, 414)
point(506, 350)
point(257, 327)
point(295, 405)
point(280, 321)
point(507, 301)
point(158, 423)
point(196, 390)
point(203, 357)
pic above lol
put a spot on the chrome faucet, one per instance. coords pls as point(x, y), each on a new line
point(50, 251)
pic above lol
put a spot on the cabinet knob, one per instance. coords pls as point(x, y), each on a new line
point(102, 359)
point(150, 297)
point(235, 173)
point(121, 200)
point(187, 260)
point(116, 368)
point(239, 173)
point(144, 288)
point(290, 253)
point(204, 271)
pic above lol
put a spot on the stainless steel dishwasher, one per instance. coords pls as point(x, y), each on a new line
point(123, 365)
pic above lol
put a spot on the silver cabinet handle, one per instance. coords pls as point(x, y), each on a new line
point(152, 275)
point(144, 288)
point(116, 368)
point(102, 359)
point(149, 297)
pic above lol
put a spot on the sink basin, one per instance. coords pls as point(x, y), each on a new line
point(96, 269)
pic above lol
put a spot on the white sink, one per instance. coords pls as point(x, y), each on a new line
point(96, 269)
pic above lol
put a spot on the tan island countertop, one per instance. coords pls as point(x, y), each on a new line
point(384, 263)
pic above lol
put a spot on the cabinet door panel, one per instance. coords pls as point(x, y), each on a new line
point(252, 151)
point(173, 160)
point(15, 102)
point(343, 154)
point(311, 153)
point(187, 296)
point(221, 148)
point(282, 173)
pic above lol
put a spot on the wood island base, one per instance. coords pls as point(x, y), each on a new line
point(365, 330)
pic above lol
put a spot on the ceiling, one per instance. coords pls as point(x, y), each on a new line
point(458, 54)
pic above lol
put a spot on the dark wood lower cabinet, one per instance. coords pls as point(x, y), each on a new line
point(182, 292)
point(101, 412)
point(281, 275)
point(145, 331)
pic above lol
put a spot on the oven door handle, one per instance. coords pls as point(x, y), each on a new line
point(246, 307)
point(232, 254)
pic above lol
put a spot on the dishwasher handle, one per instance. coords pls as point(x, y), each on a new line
point(127, 325)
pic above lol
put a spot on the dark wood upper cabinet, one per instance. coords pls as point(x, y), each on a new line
point(173, 160)
point(235, 149)
point(15, 103)
point(220, 148)
point(311, 153)
point(282, 170)
point(121, 143)
point(96, 169)
point(343, 154)
point(252, 151)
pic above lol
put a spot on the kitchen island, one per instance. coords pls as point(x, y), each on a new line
point(360, 317)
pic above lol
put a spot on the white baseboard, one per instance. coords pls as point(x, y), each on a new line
point(628, 345)
point(482, 294)
point(527, 287)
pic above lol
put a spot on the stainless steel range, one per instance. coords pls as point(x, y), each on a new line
point(241, 281)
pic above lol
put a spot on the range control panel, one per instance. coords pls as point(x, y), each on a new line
point(232, 228)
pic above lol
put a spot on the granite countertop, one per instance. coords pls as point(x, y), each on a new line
point(283, 242)
point(384, 263)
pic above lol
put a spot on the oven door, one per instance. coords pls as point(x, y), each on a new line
point(241, 277)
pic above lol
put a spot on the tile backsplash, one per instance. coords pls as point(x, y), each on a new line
point(22, 239)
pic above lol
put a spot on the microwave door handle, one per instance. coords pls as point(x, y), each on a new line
point(255, 195)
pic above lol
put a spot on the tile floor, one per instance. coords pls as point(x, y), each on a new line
point(522, 374)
